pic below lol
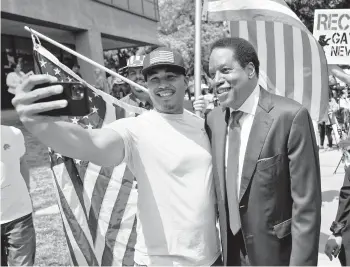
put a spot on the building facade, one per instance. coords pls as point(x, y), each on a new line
point(87, 26)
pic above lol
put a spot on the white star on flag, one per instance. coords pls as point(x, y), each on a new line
point(69, 79)
point(90, 98)
point(96, 94)
point(75, 120)
point(77, 161)
point(89, 126)
point(94, 109)
point(43, 63)
point(58, 155)
point(57, 71)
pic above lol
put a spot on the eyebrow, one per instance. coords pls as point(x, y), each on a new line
point(166, 69)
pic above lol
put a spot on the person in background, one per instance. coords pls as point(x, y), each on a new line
point(14, 78)
point(344, 104)
point(325, 127)
point(111, 79)
point(101, 81)
point(333, 121)
point(338, 243)
point(76, 69)
point(118, 88)
point(137, 97)
point(18, 242)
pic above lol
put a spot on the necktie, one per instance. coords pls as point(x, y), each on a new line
point(234, 142)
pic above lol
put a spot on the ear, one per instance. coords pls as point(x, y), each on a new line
point(250, 68)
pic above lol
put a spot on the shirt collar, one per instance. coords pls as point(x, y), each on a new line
point(251, 103)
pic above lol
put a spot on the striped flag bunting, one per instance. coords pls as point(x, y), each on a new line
point(292, 63)
point(97, 204)
point(161, 57)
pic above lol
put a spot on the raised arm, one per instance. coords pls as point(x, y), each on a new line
point(104, 147)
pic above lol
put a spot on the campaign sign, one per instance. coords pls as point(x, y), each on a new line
point(332, 30)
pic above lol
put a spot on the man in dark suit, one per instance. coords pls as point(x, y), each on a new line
point(265, 164)
point(339, 241)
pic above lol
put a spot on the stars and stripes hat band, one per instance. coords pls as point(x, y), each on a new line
point(163, 56)
point(135, 61)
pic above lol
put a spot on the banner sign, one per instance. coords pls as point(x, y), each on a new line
point(332, 30)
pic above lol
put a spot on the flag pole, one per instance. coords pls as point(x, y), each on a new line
point(85, 58)
point(197, 51)
point(38, 34)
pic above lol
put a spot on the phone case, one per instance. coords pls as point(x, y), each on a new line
point(75, 93)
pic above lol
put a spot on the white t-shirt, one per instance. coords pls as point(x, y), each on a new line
point(15, 199)
point(169, 154)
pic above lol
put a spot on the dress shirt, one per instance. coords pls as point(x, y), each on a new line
point(248, 108)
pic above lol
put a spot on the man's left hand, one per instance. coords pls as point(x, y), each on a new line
point(333, 246)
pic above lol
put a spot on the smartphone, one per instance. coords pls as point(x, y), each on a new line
point(75, 93)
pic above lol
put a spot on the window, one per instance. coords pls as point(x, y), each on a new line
point(145, 8)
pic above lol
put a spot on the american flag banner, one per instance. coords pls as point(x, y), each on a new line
point(97, 204)
point(161, 57)
point(292, 63)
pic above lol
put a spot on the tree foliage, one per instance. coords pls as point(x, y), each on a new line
point(305, 9)
point(176, 29)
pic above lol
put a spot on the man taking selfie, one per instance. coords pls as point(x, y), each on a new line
point(166, 149)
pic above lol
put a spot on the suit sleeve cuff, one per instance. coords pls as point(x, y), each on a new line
point(337, 227)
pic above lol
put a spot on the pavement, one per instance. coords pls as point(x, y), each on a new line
point(331, 184)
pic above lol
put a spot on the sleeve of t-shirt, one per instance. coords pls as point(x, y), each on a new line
point(19, 141)
point(126, 129)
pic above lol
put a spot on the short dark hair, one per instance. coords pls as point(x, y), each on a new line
point(168, 68)
point(244, 51)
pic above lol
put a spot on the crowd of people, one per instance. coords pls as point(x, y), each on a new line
point(265, 191)
point(336, 125)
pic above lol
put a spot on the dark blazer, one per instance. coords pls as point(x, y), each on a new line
point(280, 192)
point(341, 225)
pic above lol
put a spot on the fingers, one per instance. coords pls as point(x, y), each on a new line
point(328, 249)
point(31, 110)
point(199, 105)
point(35, 95)
point(336, 251)
point(33, 80)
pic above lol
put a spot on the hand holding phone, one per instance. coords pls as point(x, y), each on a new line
point(76, 95)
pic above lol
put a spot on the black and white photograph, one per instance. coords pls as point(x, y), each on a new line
point(175, 133)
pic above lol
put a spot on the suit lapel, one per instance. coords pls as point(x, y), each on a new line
point(261, 125)
point(220, 127)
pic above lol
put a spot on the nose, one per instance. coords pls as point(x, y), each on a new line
point(218, 79)
point(139, 76)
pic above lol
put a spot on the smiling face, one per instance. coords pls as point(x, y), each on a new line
point(135, 75)
point(232, 82)
point(167, 89)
